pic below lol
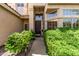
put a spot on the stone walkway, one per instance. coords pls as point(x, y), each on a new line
point(38, 48)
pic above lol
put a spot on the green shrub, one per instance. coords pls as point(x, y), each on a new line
point(18, 41)
point(62, 42)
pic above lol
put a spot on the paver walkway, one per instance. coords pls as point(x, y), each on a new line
point(38, 47)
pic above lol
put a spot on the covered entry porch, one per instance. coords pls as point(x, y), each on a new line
point(39, 20)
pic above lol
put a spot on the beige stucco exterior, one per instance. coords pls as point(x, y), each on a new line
point(9, 23)
point(31, 16)
point(29, 10)
point(59, 18)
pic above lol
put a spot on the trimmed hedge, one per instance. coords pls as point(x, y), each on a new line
point(62, 42)
point(18, 41)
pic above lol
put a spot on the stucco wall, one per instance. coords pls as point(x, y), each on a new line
point(60, 11)
point(9, 23)
point(31, 16)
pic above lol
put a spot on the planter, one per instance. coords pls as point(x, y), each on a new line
point(22, 53)
point(27, 50)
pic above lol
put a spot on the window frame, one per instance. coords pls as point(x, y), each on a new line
point(20, 4)
point(51, 15)
point(69, 12)
point(73, 23)
point(26, 26)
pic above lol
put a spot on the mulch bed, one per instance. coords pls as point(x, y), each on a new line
point(2, 51)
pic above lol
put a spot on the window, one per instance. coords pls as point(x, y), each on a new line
point(20, 8)
point(70, 12)
point(71, 22)
point(75, 22)
point(50, 15)
point(67, 22)
point(20, 4)
point(52, 25)
point(38, 17)
point(26, 26)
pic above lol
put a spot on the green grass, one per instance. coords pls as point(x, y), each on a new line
point(62, 42)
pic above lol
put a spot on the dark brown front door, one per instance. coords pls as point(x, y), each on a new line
point(38, 27)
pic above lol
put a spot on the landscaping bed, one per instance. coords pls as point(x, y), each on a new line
point(62, 42)
point(19, 43)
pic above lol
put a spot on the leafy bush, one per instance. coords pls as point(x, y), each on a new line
point(62, 42)
point(18, 41)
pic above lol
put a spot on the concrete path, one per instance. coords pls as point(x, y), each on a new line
point(38, 48)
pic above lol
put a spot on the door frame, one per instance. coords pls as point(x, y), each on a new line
point(42, 25)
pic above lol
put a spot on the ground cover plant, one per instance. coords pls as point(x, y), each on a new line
point(18, 41)
point(62, 42)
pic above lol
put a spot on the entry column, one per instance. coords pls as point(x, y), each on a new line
point(31, 17)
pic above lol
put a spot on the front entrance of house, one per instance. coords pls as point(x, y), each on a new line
point(38, 23)
point(39, 19)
